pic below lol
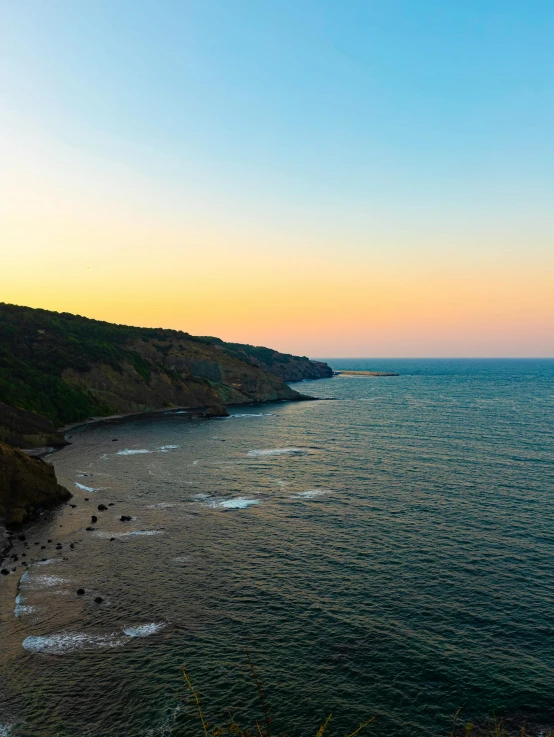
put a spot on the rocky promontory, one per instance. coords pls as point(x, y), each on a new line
point(67, 368)
point(26, 486)
point(26, 429)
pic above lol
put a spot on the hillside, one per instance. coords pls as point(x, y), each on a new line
point(67, 368)
point(283, 365)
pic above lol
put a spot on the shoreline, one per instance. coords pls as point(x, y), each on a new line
point(207, 411)
point(44, 452)
point(203, 411)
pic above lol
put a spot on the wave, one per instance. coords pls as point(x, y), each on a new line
point(310, 493)
point(104, 534)
point(69, 642)
point(143, 451)
point(239, 502)
point(87, 488)
point(130, 452)
point(20, 609)
point(274, 451)
point(144, 630)
point(45, 581)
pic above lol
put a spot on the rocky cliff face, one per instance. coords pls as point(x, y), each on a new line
point(283, 365)
point(68, 368)
point(179, 376)
point(26, 485)
point(26, 429)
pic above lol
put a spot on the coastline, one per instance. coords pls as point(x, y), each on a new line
point(206, 411)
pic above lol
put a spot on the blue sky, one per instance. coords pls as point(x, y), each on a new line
point(420, 129)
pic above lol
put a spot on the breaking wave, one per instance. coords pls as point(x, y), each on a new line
point(239, 502)
point(68, 642)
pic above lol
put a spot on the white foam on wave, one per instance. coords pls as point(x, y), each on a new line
point(310, 493)
point(132, 452)
point(20, 609)
point(182, 559)
point(239, 502)
point(249, 414)
point(134, 533)
point(88, 488)
point(144, 532)
point(144, 630)
point(45, 581)
point(160, 505)
point(143, 451)
point(69, 642)
point(6, 730)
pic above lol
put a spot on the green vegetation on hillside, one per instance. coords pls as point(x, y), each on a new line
point(67, 367)
point(36, 346)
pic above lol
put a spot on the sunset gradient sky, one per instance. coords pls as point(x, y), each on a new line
point(330, 178)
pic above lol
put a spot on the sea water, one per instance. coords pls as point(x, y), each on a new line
point(387, 553)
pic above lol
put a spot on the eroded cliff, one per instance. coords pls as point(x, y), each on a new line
point(26, 429)
point(26, 486)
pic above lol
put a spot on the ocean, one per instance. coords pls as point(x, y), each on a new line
point(387, 553)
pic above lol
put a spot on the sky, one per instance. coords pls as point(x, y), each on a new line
point(329, 178)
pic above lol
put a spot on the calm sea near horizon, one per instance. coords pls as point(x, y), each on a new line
point(386, 554)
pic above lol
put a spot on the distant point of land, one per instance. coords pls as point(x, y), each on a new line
point(366, 373)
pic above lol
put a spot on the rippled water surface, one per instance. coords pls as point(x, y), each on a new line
point(389, 553)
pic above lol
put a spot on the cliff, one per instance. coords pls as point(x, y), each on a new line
point(26, 429)
point(283, 365)
point(26, 485)
point(68, 368)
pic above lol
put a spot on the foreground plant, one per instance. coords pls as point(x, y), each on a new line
point(496, 727)
point(261, 731)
